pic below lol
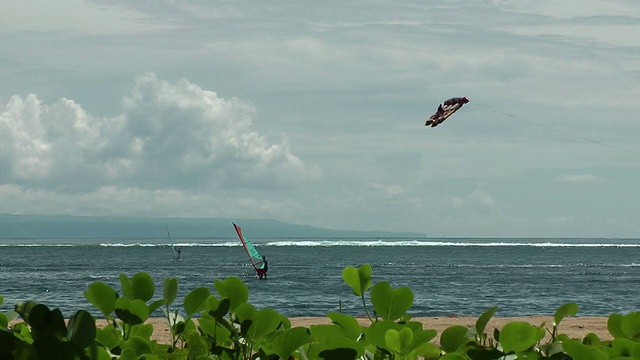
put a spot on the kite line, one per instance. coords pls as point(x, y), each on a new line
point(482, 108)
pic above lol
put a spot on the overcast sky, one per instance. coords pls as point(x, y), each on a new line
point(312, 112)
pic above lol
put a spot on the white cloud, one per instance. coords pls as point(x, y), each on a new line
point(478, 199)
point(577, 178)
point(388, 191)
point(169, 136)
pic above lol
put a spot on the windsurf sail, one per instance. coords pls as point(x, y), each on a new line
point(254, 256)
point(173, 248)
point(445, 110)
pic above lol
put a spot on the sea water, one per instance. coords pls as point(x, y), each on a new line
point(447, 276)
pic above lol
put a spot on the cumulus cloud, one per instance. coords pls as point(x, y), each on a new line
point(170, 135)
point(577, 178)
point(388, 191)
point(479, 199)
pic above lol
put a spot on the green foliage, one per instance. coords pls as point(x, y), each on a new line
point(391, 304)
point(358, 279)
point(230, 328)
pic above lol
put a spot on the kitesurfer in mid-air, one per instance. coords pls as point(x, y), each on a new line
point(450, 106)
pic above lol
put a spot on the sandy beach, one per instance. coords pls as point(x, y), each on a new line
point(574, 327)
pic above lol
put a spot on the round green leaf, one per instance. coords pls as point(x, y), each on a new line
point(358, 279)
point(391, 304)
point(127, 286)
point(376, 333)
point(170, 290)
point(102, 296)
point(46, 322)
point(139, 345)
point(195, 301)
point(399, 341)
point(577, 350)
point(519, 336)
point(348, 323)
point(82, 329)
point(233, 289)
point(568, 309)
point(453, 337)
point(631, 325)
point(131, 312)
point(614, 325)
point(143, 287)
point(289, 341)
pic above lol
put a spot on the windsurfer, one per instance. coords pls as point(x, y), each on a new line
point(262, 272)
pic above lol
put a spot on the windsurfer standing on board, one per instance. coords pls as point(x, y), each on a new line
point(262, 272)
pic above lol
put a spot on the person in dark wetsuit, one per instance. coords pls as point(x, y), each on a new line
point(262, 272)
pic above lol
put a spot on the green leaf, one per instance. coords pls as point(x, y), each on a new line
point(453, 356)
point(324, 333)
point(483, 320)
point(453, 337)
point(139, 345)
point(233, 289)
point(391, 304)
point(108, 336)
point(290, 340)
point(336, 347)
point(519, 336)
point(348, 323)
point(339, 354)
point(375, 334)
point(156, 305)
point(131, 312)
point(4, 322)
point(82, 329)
point(143, 287)
point(127, 286)
point(576, 350)
point(142, 330)
point(399, 341)
point(568, 309)
point(217, 308)
point(24, 309)
point(170, 290)
point(631, 325)
point(265, 322)
point(591, 339)
point(624, 347)
point(46, 322)
point(128, 354)
point(614, 325)
point(195, 301)
point(358, 279)
point(102, 296)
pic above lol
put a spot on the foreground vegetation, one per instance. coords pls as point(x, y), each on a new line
point(228, 327)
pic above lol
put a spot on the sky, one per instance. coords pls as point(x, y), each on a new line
point(312, 112)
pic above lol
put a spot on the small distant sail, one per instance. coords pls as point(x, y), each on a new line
point(176, 256)
point(253, 254)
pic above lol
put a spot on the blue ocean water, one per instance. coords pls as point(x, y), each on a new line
point(447, 276)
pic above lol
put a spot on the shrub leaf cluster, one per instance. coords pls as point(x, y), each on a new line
point(224, 325)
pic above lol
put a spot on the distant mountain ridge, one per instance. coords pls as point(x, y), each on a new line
point(95, 227)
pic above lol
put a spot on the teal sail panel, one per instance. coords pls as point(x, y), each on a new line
point(253, 254)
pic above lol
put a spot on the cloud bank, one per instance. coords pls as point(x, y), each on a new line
point(170, 136)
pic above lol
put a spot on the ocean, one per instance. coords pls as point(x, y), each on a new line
point(447, 276)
